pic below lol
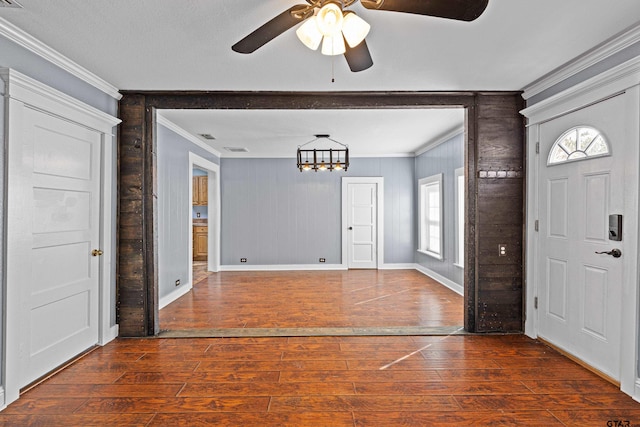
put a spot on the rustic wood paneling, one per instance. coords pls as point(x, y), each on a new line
point(500, 214)
point(494, 208)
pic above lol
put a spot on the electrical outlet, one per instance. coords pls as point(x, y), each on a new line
point(178, 282)
point(502, 249)
point(243, 260)
point(322, 260)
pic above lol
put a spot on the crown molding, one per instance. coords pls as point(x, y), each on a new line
point(605, 50)
point(609, 83)
point(440, 140)
point(161, 120)
point(30, 91)
point(27, 41)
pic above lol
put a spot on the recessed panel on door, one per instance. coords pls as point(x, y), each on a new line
point(58, 210)
point(62, 154)
point(558, 208)
point(557, 288)
point(594, 310)
point(596, 207)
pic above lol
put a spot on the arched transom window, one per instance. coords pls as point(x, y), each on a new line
point(578, 143)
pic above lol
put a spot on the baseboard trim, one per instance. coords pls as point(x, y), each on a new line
point(580, 362)
point(398, 266)
point(458, 289)
point(636, 393)
point(110, 335)
point(168, 299)
point(3, 404)
point(282, 267)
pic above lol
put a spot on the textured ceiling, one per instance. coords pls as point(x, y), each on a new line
point(176, 45)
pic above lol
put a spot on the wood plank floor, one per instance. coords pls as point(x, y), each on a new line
point(313, 299)
point(324, 381)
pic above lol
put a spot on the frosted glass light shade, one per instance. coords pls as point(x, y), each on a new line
point(329, 19)
point(333, 45)
point(355, 29)
point(309, 34)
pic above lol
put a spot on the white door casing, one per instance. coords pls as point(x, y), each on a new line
point(58, 296)
point(623, 81)
point(214, 209)
point(581, 292)
point(362, 222)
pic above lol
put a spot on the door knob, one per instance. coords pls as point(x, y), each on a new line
point(350, 228)
point(96, 252)
point(616, 253)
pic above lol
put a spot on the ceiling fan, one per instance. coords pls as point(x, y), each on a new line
point(342, 32)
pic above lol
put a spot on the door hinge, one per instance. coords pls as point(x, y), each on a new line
point(537, 148)
point(536, 225)
point(535, 302)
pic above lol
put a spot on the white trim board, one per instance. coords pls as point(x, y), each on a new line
point(458, 289)
point(214, 213)
point(32, 44)
point(161, 120)
point(171, 297)
point(607, 49)
point(283, 267)
point(441, 140)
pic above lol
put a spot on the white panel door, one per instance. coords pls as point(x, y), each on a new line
point(60, 177)
point(580, 292)
point(361, 225)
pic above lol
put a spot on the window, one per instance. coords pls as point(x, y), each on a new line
point(578, 143)
point(430, 194)
point(459, 253)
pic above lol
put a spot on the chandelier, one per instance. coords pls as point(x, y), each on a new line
point(323, 159)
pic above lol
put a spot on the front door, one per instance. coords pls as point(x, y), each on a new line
point(53, 227)
point(362, 234)
point(581, 185)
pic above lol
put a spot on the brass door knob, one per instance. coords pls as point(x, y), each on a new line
point(96, 252)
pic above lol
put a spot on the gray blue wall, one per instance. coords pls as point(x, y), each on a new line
point(174, 207)
point(272, 214)
point(444, 158)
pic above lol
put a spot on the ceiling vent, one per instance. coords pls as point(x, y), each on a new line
point(236, 149)
point(207, 136)
point(10, 3)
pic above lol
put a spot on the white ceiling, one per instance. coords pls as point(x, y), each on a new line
point(186, 44)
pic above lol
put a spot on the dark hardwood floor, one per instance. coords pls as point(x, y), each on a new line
point(324, 381)
point(313, 299)
point(448, 380)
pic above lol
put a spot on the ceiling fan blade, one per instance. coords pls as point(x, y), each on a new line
point(461, 10)
point(359, 57)
point(270, 30)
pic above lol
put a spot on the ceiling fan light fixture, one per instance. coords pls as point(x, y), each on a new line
point(309, 34)
point(329, 19)
point(354, 28)
point(333, 45)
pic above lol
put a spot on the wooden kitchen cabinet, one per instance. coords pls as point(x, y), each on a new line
point(200, 246)
point(200, 190)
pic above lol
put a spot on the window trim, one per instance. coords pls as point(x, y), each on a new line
point(422, 238)
point(459, 212)
point(576, 129)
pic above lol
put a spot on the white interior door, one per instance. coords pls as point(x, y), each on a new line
point(362, 234)
point(56, 185)
point(580, 291)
